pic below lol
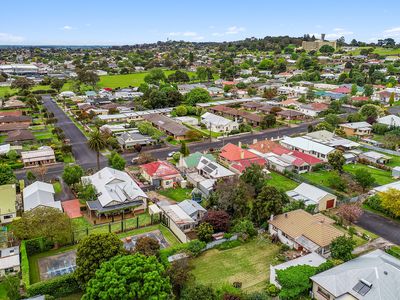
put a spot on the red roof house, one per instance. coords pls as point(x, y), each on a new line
point(267, 146)
point(342, 90)
point(238, 158)
point(160, 174)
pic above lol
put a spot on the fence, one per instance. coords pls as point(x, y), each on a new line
point(117, 226)
point(387, 151)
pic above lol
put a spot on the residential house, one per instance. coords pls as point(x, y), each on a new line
point(7, 203)
point(372, 276)
point(304, 232)
point(193, 209)
point(117, 193)
point(313, 109)
point(218, 124)
point(169, 126)
point(161, 174)
point(188, 120)
point(384, 188)
point(375, 157)
point(189, 163)
point(27, 120)
point(396, 172)
point(13, 103)
point(359, 129)
point(9, 261)
point(19, 135)
point(289, 114)
point(311, 195)
point(239, 159)
point(43, 156)
point(307, 146)
point(332, 140)
point(39, 194)
point(390, 121)
point(127, 140)
point(210, 169)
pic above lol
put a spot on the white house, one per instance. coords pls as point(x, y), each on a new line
point(39, 194)
point(311, 195)
point(307, 146)
point(217, 123)
point(390, 120)
point(116, 191)
point(9, 261)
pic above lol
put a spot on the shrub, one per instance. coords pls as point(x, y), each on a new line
point(204, 232)
point(24, 265)
point(38, 245)
point(228, 245)
point(325, 266)
point(245, 227)
point(57, 287)
point(195, 247)
point(272, 290)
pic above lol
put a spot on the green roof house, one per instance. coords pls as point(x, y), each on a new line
point(191, 161)
point(7, 203)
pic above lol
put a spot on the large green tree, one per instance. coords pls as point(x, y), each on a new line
point(93, 251)
point(270, 201)
point(72, 174)
point(129, 277)
point(295, 281)
point(7, 175)
point(97, 142)
point(198, 292)
point(43, 221)
point(364, 178)
point(197, 95)
point(336, 160)
point(342, 247)
point(255, 176)
point(116, 161)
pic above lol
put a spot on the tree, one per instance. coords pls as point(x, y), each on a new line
point(254, 176)
point(86, 192)
point(204, 232)
point(147, 246)
point(332, 119)
point(30, 176)
point(129, 277)
point(97, 142)
point(198, 292)
point(270, 93)
point(94, 250)
point(57, 84)
point(197, 95)
point(369, 110)
point(391, 99)
point(218, 219)
point(40, 171)
point(326, 49)
point(295, 281)
point(88, 77)
point(48, 222)
point(336, 160)
point(155, 76)
point(184, 149)
point(368, 90)
point(116, 161)
point(244, 227)
point(270, 201)
point(193, 135)
point(181, 110)
point(7, 175)
point(179, 274)
point(72, 174)
point(341, 248)
point(22, 83)
point(390, 200)
point(364, 178)
point(11, 284)
point(266, 64)
point(336, 182)
point(354, 89)
point(350, 212)
point(268, 121)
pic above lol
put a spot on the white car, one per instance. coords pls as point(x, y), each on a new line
point(171, 153)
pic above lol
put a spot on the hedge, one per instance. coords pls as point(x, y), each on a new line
point(57, 287)
point(193, 247)
point(25, 265)
point(38, 245)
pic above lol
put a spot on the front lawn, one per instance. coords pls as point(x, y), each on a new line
point(248, 264)
point(381, 177)
point(281, 182)
point(3, 291)
point(57, 187)
point(177, 194)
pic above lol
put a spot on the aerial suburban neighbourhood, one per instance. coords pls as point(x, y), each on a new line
point(181, 158)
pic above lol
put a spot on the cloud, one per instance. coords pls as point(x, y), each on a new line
point(338, 32)
point(67, 27)
point(393, 32)
point(10, 38)
point(338, 29)
point(189, 33)
point(234, 30)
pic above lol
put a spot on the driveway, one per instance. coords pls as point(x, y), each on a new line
point(83, 155)
point(386, 228)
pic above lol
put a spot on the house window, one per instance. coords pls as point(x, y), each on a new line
point(7, 217)
point(323, 293)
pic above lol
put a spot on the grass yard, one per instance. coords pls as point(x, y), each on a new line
point(379, 50)
point(248, 263)
point(126, 80)
point(359, 241)
point(319, 177)
point(282, 182)
point(4, 90)
point(3, 291)
point(177, 194)
point(381, 176)
point(43, 135)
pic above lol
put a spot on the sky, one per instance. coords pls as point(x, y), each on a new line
point(122, 22)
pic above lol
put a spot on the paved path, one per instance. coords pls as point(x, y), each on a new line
point(83, 155)
point(379, 243)
point(384, 227)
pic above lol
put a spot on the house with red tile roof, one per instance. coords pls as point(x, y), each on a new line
point(267, 146)
point(342, 90)
point(239, 159)
point(160, 174)
point(360, 99)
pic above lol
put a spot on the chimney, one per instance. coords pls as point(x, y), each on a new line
point(240, 144)
point(262, 145)
point(241, 154)
point(254, 141)
point(271, 218)
point(286, 215)
point(323, 36)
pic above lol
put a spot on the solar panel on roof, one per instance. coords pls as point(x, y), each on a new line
point(204, 161)
point(362, 288)
point(212, 167)
point(207, 169)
